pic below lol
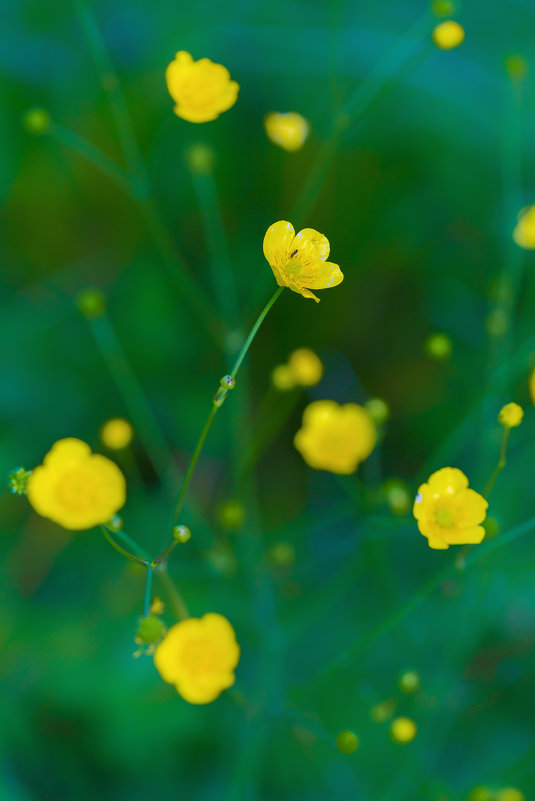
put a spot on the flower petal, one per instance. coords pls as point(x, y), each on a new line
point(325, 274)
point(277, 243)
point(466, 536)
point(311, 246)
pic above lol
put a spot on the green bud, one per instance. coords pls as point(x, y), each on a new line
point(409, 682)
point(438, 347)
point(481, 793)
point(379, 410)
point(398, 496)
point(347, 742)
point(228, 382)
point(383, 711)
point(116, 523)
point(91, 302)
point(443, 8)
point(231, 514)
point(17, 481)
point(497, 324)
point(150, 630)
point(36, 121)
point(200, 158)
point(516, 67)
point(181, 533)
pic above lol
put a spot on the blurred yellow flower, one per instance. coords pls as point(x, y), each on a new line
point(306, 367)
point(288, 130)
point(524, 233)
point(76, 488)
point(403, 730)
point(448, 34)
point(298, 260)
point(448, 513)
point(116, 433)
point(198, 656)
point(334, 437)
point(201, 89)
point(282, 377)
point(511, 415)
point(510, 794)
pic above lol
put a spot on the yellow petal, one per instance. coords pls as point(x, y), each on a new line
point(448, 480)
point(311, 246)
point(467, 536)
point(325, 274)
point(277, 243)
point(306, 293)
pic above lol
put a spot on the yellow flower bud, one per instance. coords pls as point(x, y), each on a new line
point(116, 433)
point(409, 682)
point(289, 130)
point(181, 533)
point(200, 89)
point(403, 730)
point(524, 233)
point(306, 367)
point(448, 34)
point(347, 742)
point(481, 793)
point(511, 415)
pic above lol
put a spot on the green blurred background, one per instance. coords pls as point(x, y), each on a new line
point(418, 199)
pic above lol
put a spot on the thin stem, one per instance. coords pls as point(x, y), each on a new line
point(121, 550)
point(177, 601)
point(148, 591)
point(260, 319)
point(501, 464)
point(131, 543)
point(159, 559)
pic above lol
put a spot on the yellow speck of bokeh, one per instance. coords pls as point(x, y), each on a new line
point(199, 656)
point(282, 554)
point(283, 378)
point(76, 488)
point(443, 8)
point(299, 261)
point(201, 89)
point(347, 742)
point(200, 158)
point(335, 437)
point(438, 346)
point(531, 386)
point(91, 302)
point(289, 130)
point(510, 794)
point(383, 711)
point(409, 682)
point(306, 366)
point(448, 513)
point(516, 67)
point(511, 415)
point(403, 730)
point(36, 121)
point(231, 514)
point(524, 232)
point(448, 34)
point(397, 496)
point(116, 433)
point(379, 410)
point(481, 793)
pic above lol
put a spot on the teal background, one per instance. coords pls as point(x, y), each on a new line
point(418, 202)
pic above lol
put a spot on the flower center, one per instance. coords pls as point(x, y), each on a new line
point(292, 268)
point(445, 517)
point(199, 656)
point(76, 492)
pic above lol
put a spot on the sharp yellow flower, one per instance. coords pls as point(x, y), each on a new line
point(76, 488)
point(524, 233)
point(298, 260)
point(198, 656)
point(448, 513)
point(116, 433)
point(511, 415)
point(288, 130)
point(306, 367)
point(335, 438)
point(448, 34)
point(201, 89)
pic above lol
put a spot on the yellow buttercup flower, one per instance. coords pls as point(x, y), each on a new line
point(306, 367)
point(298, 260)
point(201, 89)
point(510, 794)
point(448, 513)
point(524, 233)
point(116, 433)
point(448, 34)
point(76, 488)
point(335, 438)
point(403, 730)
point(199, 656)
point(511, 415)
point(288, 130)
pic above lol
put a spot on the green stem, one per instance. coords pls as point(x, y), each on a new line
point(121, 550)
point(499, 467)
point(218, 401)
point(148, 591)
point(177, 601)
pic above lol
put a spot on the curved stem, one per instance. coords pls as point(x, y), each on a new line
point(120, 550)
point(499, 467)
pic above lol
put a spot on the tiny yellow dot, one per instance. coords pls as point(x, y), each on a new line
point(448, 34)
point(116, 433)
point(403, 730)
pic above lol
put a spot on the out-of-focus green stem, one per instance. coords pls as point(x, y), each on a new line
point(148, 591)
point(121, 550)
point(501, 464)
point(177, 601)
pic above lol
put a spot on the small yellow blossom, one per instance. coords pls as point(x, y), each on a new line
point(448, 34)
point(288, 130)
point(347, 742)
point(116, 433)
point(448, 513)
point(306, 366)
point(510, 794)
point(334, 437)
point(199, 656)
point(403, 730)
point(201, 89)
point(511, 415)
point(481, 793)
point(524, 233)
point(282, 377)
point(76, 488)
point(298, 260)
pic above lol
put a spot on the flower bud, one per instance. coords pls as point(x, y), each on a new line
point(17, 480)
point(409, 682)
point(403, 730)
point(231, 514)
point(150, 630)
point(181, 533)
point(510, 415)
point(347, 742)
